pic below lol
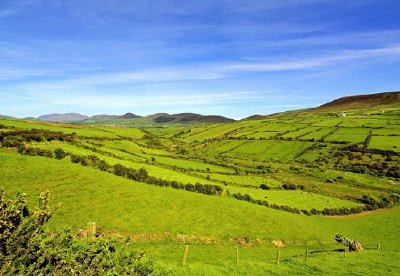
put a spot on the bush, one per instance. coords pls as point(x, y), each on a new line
point(25, 249)
point(59, 153)
point(264, 186)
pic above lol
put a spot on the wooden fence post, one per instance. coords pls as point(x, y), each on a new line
point(90, 230)
point(278, 257)
point(378, 246)
point(237, 254)
point(344, 252)
point(185, 253)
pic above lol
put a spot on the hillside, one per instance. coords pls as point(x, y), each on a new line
point(295, 177)
point(113, 117)
point(363, 101)
point(191, 118)
point(66, 117)
point(359, 103)
point(130, 119)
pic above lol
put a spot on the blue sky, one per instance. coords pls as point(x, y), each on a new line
point(234, 58)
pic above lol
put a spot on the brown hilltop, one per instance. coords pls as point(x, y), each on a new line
point(363, 101)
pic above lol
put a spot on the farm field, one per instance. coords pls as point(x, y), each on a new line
point(215, 187)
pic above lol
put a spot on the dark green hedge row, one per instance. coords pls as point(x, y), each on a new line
point(15, 138)
point(140, 175)
point(370, 205)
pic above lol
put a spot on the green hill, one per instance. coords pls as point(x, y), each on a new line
point(363, 101)
point(295, 179)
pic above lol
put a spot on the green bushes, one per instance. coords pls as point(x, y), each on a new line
point(287, 186)
point(265, 186)
point(59, 154)
point(32, 151)
point(26, 249)
point(370, 205)
point(37, 135)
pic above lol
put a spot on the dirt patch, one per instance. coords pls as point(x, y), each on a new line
point(245, 241)
point(193, 238)
point(278, 243)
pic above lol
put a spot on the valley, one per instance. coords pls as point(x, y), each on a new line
point(296, 177)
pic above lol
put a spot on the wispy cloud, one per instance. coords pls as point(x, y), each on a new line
point(205, 72)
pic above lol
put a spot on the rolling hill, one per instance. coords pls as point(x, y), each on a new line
point(66, 117)
point(113, 117)
point(283, 183)
point(130, 119)
point(363, 101)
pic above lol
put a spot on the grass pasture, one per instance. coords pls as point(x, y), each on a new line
point(385, 143)
point(312, 152)
point(352, 135)
point(165, 217)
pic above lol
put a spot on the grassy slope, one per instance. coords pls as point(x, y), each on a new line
point(129, 206)
point(122, 205)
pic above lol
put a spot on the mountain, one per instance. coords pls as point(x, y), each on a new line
point(377, 100)
point(66, 117)
point(130, 116)
point(363, 101)
point(6, 117)
point(112, 117)
point(191, 118)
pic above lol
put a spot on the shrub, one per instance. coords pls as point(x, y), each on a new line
point(25, 249)
point(264, 186)
point(59, 153)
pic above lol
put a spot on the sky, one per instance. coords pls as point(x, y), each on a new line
point(227, 57)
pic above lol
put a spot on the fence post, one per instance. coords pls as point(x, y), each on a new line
point(237, 254)
point(307, 254)
point(344, 252)
point(378, 246)
point(278, 257)
point(185, 253)
point(90, 230)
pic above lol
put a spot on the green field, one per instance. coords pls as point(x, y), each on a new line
point(385, 143)
point(330, 162)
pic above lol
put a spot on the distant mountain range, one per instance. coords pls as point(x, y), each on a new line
point(344, 103)
point(155, 118)
point(113, 117)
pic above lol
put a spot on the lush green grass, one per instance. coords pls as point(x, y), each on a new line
point(300, 132)
point(328, 122)
point(174, 216)
point(152, 169)
point(319, 133)
point(244, 179)
point(127, 132)
point(385, 143)
point(353, 135)
point(162, 220)
point(273, 150)
point(296, 199)
point(117, 203)
point(85, 131)
point(191, 164)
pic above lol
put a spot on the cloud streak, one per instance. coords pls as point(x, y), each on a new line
point(205, 72)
